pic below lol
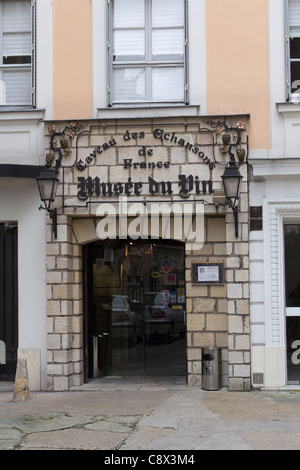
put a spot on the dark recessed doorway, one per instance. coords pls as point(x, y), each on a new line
point(135, 317)
point(8, 301)
point(292, 301)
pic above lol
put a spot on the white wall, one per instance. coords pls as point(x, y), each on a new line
point(274, 185)
point(19, 201)
point(44, 53)
point(279, 194)
point(22, 143)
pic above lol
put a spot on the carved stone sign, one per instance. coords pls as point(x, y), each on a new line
point(136, 160)
point(89, 187)
point(145, 151)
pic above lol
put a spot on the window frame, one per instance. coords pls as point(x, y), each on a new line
point(111, 65)
point(20, 67)
point(289, 60)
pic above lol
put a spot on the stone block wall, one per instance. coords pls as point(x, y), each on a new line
point(207, 305)
point(217, 315)
point(64, 308)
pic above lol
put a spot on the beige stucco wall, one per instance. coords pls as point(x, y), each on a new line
point(237, 63)
point(72, 59)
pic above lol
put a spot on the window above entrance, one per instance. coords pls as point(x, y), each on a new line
point(147, 48)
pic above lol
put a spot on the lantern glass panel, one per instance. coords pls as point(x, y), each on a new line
point(232, 186)
point(46, 188)
point(47, 184)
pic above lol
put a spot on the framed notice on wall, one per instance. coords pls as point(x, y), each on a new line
point(208, 273)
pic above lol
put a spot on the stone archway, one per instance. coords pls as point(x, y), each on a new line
point(216, 315)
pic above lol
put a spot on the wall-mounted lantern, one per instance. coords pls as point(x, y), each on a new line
point(47, 183)
point(232, 183)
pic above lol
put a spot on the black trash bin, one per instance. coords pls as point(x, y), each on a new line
point(211, 368)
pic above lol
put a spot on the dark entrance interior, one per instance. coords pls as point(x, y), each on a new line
point(8, 301)
point(292, 300)
point(134, 308)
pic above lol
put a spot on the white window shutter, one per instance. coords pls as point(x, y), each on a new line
point(168, 42)
point(17, 44)
point(129, 84)
point(16, 28)
point(129, 43)
point(129, 13)
point(168, 83)
point(17, 15)
point(149, 51)
point(16, 52)
point(294, 18)
point(16, 86)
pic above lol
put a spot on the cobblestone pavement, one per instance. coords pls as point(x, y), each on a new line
point(149, 414)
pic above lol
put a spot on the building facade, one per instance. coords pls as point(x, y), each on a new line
point(275, 197)
point(139, 108)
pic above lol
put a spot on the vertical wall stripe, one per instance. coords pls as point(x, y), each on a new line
point(237, 63)
point(72, 59)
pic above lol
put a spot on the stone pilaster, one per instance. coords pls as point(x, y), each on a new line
point(64, 308)
point(207, 305)
point(237, 273)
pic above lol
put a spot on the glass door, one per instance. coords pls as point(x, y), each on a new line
point(292, 298)
point(136, 308)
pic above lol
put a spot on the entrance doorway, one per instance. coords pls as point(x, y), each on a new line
point(292, 300)
point(8, 301)
point(135, 313)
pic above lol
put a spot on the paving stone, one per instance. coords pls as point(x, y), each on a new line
point(164, 419)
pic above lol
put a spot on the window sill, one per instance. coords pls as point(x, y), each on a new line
point(153, 111)
point(8, 113)
point(288, 107)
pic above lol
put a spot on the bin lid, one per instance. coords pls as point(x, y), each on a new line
point(208, 357)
